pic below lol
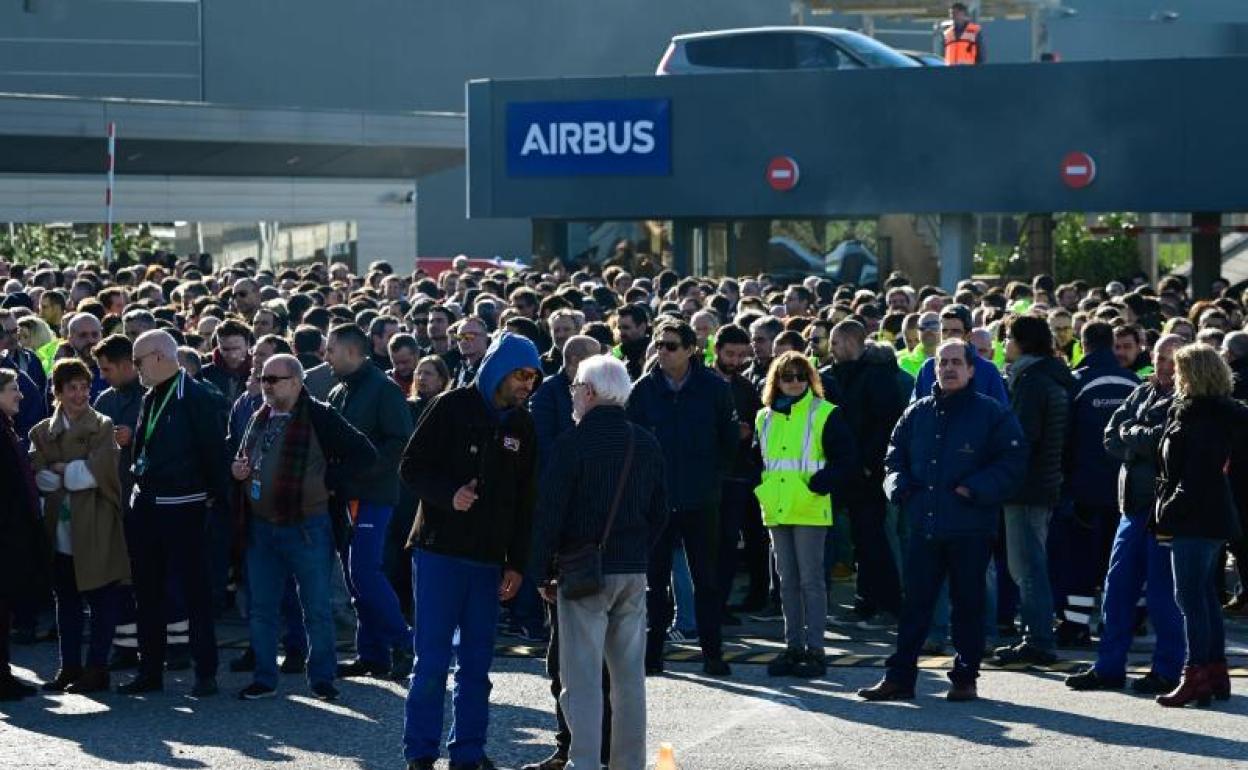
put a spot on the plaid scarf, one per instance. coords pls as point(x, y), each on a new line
point(292, 462)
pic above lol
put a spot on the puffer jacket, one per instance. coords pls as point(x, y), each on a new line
point(1132, 436)
point(1194, 497)
point(1040, 398)
point(946, 441)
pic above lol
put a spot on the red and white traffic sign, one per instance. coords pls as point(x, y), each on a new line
point(1078, 170)
point(782, 173)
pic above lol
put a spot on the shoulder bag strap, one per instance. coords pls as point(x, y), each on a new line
point(619, 487)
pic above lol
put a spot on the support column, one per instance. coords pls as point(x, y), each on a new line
point(957, 249)
point(1206, 252)
point(550, 239)
point(1039, 256)
point(683, 244)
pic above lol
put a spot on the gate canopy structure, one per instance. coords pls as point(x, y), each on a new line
point(1157, 136)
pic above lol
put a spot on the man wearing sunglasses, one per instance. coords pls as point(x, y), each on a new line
point(690, 410)
point(294, 450)
point(472, 339)
point(472, 463)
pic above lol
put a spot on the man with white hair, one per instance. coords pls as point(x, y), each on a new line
point(290, 455)
point(179, 463)
point(609, 494)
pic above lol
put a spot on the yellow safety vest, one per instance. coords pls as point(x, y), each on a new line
point(911, 361)
point(792, 448)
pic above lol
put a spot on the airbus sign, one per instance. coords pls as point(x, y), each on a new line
point(618, 137)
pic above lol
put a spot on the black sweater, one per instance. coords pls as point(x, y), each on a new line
point(579, 484)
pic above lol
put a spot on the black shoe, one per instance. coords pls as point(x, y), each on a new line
point(1073, 636)
point(142, 684)
point(178, 658)
point(654, 669)
point(123, 659)
point(1007, 631)
point(556, 761)
point(812, 665)
point(12, 688)
point(204, 687)
point(716, 667)
point(360, 667)
point(325, 691)
point(294, 664)
point(771, 612)
point(425, 763)
point(401, 661)
point(961, 693)
point(67, 676)
point(1089, 679)
point(886, 690)
point(784, 663)
point(731, 619)
point(751, 603)
point(1024, 653)
point(483, 764)
point(1153, 684)
point(255, 691)
point(245, 662)
point(530, 634)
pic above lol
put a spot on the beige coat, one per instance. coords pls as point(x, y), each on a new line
point(99, 542)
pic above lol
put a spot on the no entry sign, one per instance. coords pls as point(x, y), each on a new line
point(782, 173)
point(1078, 170)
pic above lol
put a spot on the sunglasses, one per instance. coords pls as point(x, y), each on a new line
point(525, 375)
point(467, 336)
point(670, 347)
point(273, 379)
point(791, 377)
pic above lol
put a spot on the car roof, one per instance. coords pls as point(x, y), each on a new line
point(829, 31)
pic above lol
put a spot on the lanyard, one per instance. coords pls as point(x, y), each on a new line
point(150, 427)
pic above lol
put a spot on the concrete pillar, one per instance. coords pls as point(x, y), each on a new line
point(1206, 252)
point(1039, 256)
point(957, 249)
point(683, 244)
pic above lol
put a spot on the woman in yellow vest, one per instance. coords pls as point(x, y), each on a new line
point(807, 451)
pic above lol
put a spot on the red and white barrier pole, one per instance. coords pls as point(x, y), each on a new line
point(108, 194)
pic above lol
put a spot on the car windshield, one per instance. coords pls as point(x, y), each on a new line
point(874, 53)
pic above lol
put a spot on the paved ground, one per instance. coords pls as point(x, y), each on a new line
point(1025, 719)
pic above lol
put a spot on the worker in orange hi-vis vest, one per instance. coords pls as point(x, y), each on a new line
point(964, 39)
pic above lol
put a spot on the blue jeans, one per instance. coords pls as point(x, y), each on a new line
point(1137, 562)
point(930, 559)
point(1195, 563)
point(682, 592)
point(104, 602)
point(380, 627)
point(1026, 533)
point(275, 553)
point(453, 597)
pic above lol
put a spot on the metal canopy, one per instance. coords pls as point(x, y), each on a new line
point(931, 9)
point(66, 135)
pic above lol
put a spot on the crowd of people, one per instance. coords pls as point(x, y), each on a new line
point(609, 460)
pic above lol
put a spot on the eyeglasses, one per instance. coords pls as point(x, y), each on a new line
point(572, 388)
point(273, 379)
point(791, 377)
point(669, 346)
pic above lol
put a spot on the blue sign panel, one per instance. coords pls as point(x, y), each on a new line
point(619, 137)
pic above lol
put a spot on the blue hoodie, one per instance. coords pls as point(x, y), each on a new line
point(507, 353)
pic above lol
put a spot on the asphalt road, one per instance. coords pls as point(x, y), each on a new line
point(1024, 719)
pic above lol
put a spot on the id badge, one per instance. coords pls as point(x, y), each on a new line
point(140, 464)
point(255, 489)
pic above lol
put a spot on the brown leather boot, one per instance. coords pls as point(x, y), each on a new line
point(64, 678)
point(1219, 680)
point(1194, 686)
point(93, 679)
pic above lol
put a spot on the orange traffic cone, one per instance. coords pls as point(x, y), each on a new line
point(667, 758)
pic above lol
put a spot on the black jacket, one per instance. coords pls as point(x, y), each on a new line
point(24, 571)
point(375, 406)
point(871, 404)
point(1194, 496)
point(460, 439)
point(1040, 398)
point(186, 457)
point(1132, 436)
point(745, 399)
point(578, 487)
